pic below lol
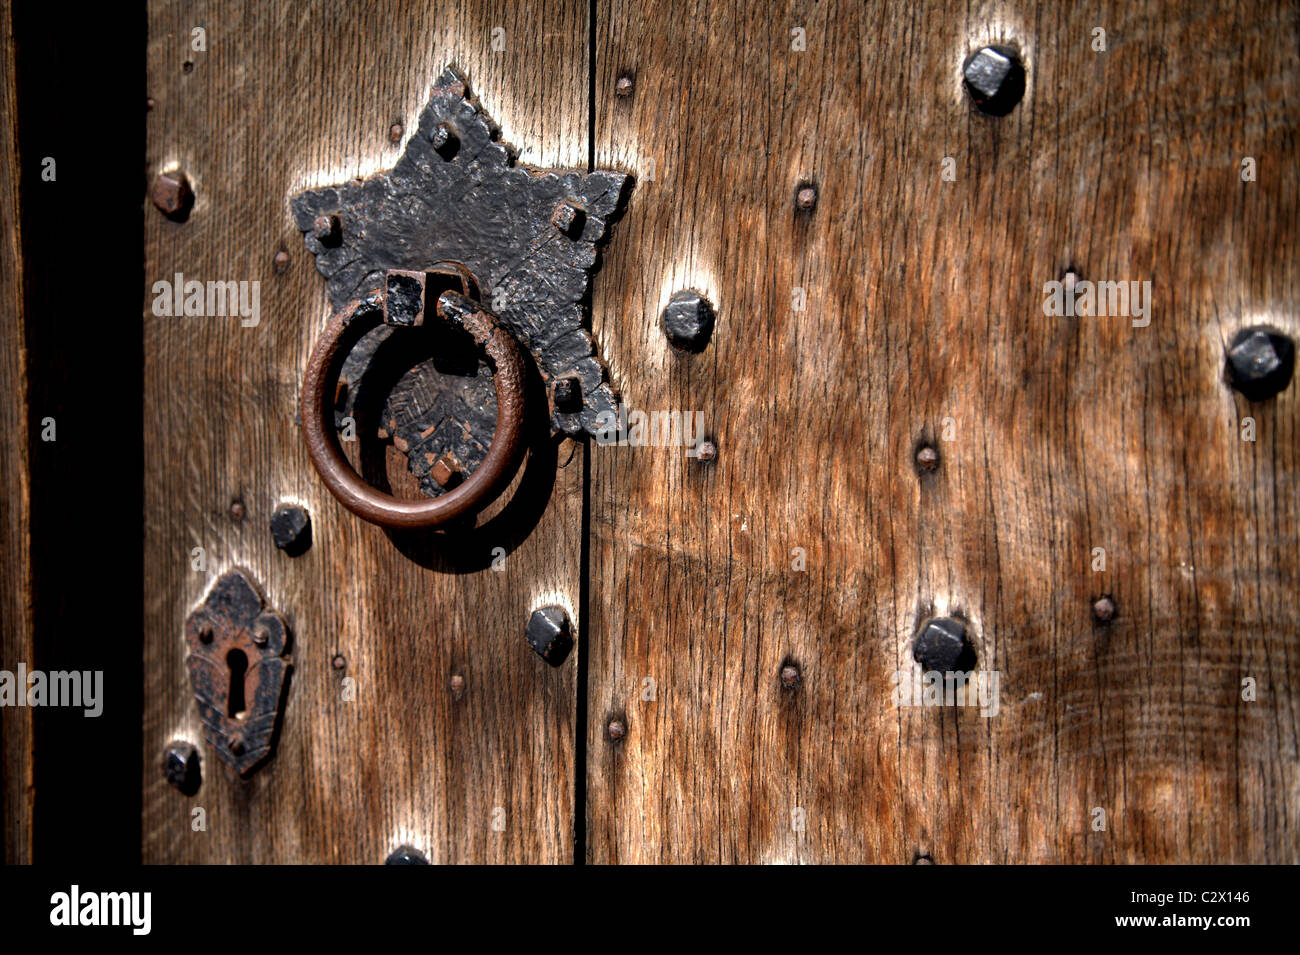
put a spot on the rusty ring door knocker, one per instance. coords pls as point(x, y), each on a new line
point(489, 478)
point(457, 205)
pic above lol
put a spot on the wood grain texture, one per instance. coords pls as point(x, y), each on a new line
point(924, 302)
point(17, 794)
point(289, 96)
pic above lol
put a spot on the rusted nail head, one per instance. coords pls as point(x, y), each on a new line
point(406, 855)
point(444, 141)
point(567, 393)
point(617, 730)
point(339, 661)
point(291, 528)
point(687, 320)
point(281, 261)
point(789, 676)
point(568, 217)
point(445, 470)
point(395, 132)
point(995, 79)
point(180, 766)
point(927, 458)
point(172, 195)
point(941, 646)
point(1103, 609)
point(457, 684)
point(1261, 362)
point(550, 634)
point(806, 197)
point(327, 229)
point(624, 86)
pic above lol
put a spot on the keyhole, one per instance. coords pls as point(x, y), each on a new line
point(237, 661)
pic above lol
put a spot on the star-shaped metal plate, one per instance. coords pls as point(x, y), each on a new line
point(528, 236)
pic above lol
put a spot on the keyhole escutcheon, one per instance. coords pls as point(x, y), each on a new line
point(237, 663)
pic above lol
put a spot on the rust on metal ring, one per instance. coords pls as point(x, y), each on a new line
point(488, 479)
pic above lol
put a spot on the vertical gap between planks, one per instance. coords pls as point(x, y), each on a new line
point(584, 560)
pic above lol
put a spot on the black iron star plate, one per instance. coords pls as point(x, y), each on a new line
point(529, 236)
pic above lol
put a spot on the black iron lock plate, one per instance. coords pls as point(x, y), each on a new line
point(239, 668)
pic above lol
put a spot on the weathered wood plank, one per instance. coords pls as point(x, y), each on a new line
point(924, 304)
point(18, 794)
point(287, 97)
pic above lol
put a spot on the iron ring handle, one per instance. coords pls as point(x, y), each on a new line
point(317, 414)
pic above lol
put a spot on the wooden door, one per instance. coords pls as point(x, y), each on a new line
point(287, 97)
point(906, 310)
point(742, 618)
